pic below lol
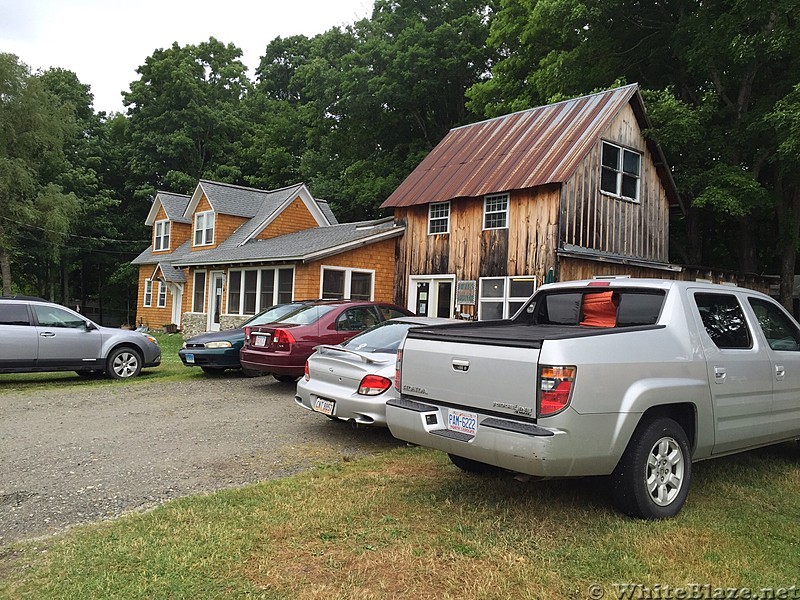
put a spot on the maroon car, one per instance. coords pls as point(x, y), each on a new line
point(282, 348)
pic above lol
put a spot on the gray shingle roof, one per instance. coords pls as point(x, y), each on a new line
point(301, 245)
point(246, 202)
point(174, 205)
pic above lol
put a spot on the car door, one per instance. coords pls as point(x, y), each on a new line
point(19, 343)
point(739, 372)
point(782, 336)
point(64, 340)
point(354, 320)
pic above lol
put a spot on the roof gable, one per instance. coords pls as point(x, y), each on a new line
point(521, 150)
point(174, 206)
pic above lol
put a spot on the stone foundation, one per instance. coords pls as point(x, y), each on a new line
point(197, 323)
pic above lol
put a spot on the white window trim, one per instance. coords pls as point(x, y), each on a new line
point(161, 299)
point(161, 230)
point(619, 172)
point(446, 219)
point(506, 299)
point(204, 217)
point(259, 273)
point(148, 293)
point(433, 299)
point(348, 279)
point(486, 200)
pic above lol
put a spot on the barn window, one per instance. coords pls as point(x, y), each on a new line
point(439, 218)
point(495, 211)
point(620, 171)
point(501, 297)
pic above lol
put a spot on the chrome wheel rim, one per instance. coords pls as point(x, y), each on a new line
point(125, 364)
point(665, 471)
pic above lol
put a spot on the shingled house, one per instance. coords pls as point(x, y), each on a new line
point(565, 191)
point(226, 252)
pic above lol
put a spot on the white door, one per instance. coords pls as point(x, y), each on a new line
point(177, 302)
point(216, 284)
point(432, 296)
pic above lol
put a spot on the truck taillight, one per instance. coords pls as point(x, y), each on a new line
point(372, 385)
point(555, 389)
point(282, 340)
point(398, 366)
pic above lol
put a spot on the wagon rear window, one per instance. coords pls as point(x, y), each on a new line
point(595, 308)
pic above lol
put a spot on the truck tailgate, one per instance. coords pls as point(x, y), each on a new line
point(470, 376)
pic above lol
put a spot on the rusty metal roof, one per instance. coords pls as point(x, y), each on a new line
point(522, 150)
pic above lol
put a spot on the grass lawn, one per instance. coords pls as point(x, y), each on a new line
point(407, 524)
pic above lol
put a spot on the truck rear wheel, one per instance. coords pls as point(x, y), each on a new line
point(473, 466)
point(652, 479)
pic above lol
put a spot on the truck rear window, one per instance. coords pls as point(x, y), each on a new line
point(595, 308)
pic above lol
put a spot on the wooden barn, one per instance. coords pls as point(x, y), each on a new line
point(566, 191)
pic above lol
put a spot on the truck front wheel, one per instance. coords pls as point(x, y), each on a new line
point(652, 479)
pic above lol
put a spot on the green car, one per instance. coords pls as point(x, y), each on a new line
point(215, 351)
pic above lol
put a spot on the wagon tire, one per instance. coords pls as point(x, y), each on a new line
point(123, 363)
point(652, 478)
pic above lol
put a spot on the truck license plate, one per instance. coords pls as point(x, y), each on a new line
point(465, 422)
point(260, 341)
point(324, 406)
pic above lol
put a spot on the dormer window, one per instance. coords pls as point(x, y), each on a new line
point(161, 231)
point(204, 228)
point(620, 171)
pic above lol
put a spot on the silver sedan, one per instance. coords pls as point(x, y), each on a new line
point(353, 380)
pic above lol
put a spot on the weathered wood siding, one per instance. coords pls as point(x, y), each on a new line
point(526, 247)
point(591, 219)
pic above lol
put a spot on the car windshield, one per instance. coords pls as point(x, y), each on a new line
point(272, 314)
point(306, 315)
point(384, 337)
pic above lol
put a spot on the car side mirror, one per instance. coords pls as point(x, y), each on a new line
point(90, 326)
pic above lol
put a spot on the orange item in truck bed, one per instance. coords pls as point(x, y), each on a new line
point(599, 310)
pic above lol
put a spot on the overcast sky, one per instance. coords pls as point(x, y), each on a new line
point(105, 41)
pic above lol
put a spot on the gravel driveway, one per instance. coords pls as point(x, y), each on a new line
point(84, 453)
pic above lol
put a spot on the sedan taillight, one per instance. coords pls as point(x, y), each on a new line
point(282, 340)
point(372, 385)
point(306, 374)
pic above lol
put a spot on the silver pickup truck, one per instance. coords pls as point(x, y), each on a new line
point(630, 378)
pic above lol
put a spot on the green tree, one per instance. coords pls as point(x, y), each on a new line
point(184, 116)
point(33, 128)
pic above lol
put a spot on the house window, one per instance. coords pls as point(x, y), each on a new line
point(619, 173)
point(148, 293)
point(161, 235)
point(253, 290)
point(495, 211)
point(501, 297)
point(204, 228)
point(343, 284)
point(199, 296)
point(439, 218)
point(162, 295)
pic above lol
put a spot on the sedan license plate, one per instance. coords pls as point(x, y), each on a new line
point(260, 341)
point(464, 422)
point(324, 406)
point(189, 358)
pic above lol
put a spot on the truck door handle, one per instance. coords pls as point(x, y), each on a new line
point(719, 374)
point(47, 334)
point(780, 371)
point(460, 365)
